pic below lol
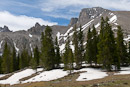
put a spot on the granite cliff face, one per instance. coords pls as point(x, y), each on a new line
point(87, 17)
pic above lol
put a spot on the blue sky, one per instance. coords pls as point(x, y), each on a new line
point(49, 12)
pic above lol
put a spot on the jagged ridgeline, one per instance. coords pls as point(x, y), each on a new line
point(87, 17)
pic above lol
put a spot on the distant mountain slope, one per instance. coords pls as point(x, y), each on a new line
point(87, 17)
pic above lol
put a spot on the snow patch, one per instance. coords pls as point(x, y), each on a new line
point(48, 76)
point(124, 70)
point(14, 79)
point(97, 25)
point(1, 44)
point(91, 74)
point(68, 31)
point(62, 47)
point(58, 36)
point(111, 14)
point(87, 25)
point(30, 35)
point(113, 19)
point(17, 49)
point(128, 38)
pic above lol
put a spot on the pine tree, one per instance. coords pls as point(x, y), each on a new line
point(24, 59)
point(36, 56)
point(89, 53)
point(77, 57)
point(13, 60)
point(6, 58)
point(101, 44)
point(65, 54)
point(33, 63)
point(70, 61)
point(57, 54)
point(48, 49)
point(17, 62)
point(106, 46)
point(68, 58)
point(121, 49)
point(94, 45)
point(81, 47)
point(1, 65)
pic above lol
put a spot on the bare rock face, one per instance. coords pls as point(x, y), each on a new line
point(87, 14)
point(73, 21)
point(4, 29)
point(37, 29)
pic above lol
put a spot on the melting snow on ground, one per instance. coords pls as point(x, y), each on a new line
point(48, 75)
point(124, 70)
point(86, 75)
point(14, 79)
point(91, 74)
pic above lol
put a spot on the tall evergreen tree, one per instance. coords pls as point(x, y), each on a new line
point(6, 58)
point(36, 55)
point(1, 65)
point(48, 49)
point(17, 62)
point(24, 59)
point(81, 47)
point(65, 54)
point(121, 49)
point(94, 45)
point(57, 54)
point(77, 57)
point(14, 60)
point(106, 46)
point(68, 58)
point(89, 53)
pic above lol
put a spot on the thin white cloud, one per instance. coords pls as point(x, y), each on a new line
point(21, 22)
point(51, 6)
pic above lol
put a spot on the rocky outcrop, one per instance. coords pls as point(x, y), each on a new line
point(73, 21)
point(4, 29)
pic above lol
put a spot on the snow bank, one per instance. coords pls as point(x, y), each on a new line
point(48, 76)
point(2, 75)
point(91, 74)
point(124, 70)
point(14, 79)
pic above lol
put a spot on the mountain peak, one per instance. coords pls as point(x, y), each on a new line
point(4, 29)
point(37, 25)
point(87, 14)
